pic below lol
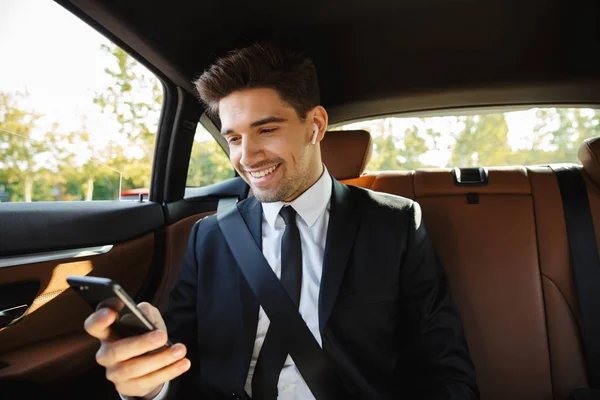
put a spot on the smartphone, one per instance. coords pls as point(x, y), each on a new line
point(105, 293)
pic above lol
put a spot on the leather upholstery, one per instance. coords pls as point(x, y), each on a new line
point(568, 369)
point(400, 183)
point(177, 235)
point(50, 341)
point(56, 358)
point(490, 254)
point(433, 182)
point(507, 261)
point(346, 153)
point(589, 155)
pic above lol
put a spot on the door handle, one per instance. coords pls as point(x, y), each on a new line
point(12, 314)
point(14, 311)
point(15, 300)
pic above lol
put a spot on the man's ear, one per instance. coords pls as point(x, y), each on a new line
point(320, 119)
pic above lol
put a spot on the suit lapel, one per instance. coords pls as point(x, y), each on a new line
point(341, 233)
point(251, 211)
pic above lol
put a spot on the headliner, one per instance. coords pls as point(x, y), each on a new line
point(381, 56)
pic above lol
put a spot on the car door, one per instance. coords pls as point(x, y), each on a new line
point(138, 243)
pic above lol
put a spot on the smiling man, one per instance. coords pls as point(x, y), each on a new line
point(358, 265)
point(277, 165)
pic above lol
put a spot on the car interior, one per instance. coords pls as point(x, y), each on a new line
point(500, 232)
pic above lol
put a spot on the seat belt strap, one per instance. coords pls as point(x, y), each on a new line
point(308, 356)
point(585, 262)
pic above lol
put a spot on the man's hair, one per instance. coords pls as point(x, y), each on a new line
point(291, 74)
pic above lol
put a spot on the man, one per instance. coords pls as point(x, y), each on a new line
point(358, 264)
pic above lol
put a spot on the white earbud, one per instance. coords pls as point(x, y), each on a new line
point(315, 134)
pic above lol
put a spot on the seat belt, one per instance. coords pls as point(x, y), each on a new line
point(314, 367)
point(585, 262)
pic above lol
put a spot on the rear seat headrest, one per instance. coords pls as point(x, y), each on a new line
point(589, 155)
point(346, 153)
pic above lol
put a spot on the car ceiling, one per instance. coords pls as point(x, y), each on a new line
point(380, 56)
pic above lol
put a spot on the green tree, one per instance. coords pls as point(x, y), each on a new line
point(385, 153)
point(391, 152)
point(126, 97)
point(21, 156)
point(82, 174)
point(558, 134)
point(399, 149)
point(483, 140)
point(208, 164)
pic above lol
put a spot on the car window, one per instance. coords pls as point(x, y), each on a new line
point(524, 137)
point(78, 115)
point(208, 163)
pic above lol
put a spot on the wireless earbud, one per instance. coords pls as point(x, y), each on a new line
point(315, 134)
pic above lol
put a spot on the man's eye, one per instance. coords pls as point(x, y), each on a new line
point(268, 130)
point(233, 140)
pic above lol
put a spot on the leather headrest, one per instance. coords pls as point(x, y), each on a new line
point(346, 153)
point(589, 155)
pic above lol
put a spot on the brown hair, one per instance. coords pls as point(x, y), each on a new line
point(292, 75)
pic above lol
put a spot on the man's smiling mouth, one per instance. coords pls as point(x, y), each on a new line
point(264, 172)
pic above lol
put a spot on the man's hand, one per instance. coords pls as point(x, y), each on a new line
point(134, 372)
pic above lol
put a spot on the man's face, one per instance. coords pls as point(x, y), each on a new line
point(269, 144)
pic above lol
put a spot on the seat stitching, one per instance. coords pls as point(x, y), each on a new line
point(564, 298)
point(539, 268)
point(372, 183)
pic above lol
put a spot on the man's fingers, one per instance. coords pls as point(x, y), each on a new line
point(98, 324)
point(152, 312)
point(121, 350)
point(144, 365)
point(145, 384)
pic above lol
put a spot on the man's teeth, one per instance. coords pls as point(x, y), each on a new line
point(260, 174)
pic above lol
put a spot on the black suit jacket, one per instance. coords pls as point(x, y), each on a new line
point(387, 321)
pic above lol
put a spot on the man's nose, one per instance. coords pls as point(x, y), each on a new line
point(251, 153)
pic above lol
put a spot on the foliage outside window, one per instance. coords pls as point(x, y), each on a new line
point(526, 137)
point(78, 115)
point(208, 163)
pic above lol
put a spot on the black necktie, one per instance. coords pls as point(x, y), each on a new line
point(273, 354)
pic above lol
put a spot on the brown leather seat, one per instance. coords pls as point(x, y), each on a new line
point(485, 238)
point(568, 368)
point(346, 155)
point(505, 251)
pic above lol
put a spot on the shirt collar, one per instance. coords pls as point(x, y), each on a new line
point(309, 205)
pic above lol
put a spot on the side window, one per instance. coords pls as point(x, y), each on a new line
point(208, 163)
point(526, 137)
point(78, 115)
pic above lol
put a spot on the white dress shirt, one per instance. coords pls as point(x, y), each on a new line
point(312, 208)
